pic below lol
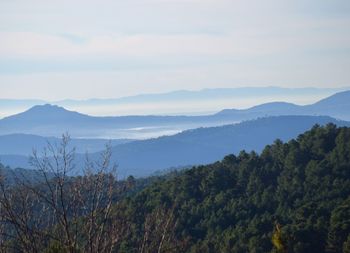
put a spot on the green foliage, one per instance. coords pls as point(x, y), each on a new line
point(232, 205)
point(292, 198)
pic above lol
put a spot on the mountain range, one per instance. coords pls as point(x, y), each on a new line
point(336, 106)
point(180, 102)
point(143, 145)
point(24, 144)
point(199, 146)
point(206, 145)
point(51, 120)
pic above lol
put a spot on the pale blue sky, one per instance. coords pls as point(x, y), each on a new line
point(110, 48)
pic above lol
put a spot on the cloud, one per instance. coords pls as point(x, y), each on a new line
point(42, 46)
point(153, 45)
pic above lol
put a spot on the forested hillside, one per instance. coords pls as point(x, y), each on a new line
point(294, 197)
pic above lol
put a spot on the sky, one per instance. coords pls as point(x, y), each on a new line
point(81, 49)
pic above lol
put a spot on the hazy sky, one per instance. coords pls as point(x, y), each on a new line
point(111, 48)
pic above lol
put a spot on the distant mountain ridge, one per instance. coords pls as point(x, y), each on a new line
point(337, 106)
point(200, 146)
point(47, 112)
point(23, 144)
point(206, 145)
point(52, 120)
point(197, 102)
point(183, 95)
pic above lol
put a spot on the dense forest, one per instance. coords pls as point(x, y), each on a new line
point(292, 197)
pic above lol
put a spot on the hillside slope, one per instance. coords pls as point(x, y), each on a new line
point(294, 197)
point(198, 146)
point(23, 144)
point(337, 106)
point(206, 145)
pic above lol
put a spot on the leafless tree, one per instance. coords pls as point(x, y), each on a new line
point(59, 212)
point(69, 209)
point(159, 232)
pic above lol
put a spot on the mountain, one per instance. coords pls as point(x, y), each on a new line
point(13, 106)
point(196, 102)
point(23, 144)
point(45, 120)
point(337, 106)
point(199, 146)
point(15, 161)
point(51, 120)
point(206, 145)
point(263, 110)
point(341, 99)
point(13, 175)
point(206, 95)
